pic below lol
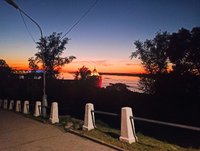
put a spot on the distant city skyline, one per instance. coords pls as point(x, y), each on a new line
point(104, 39)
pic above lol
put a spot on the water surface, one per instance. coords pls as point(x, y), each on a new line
point(131, 81)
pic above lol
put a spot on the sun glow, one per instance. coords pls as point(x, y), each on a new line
point(106, 66)
point(110, 67)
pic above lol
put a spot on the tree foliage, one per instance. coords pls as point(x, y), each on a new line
point(181, 49)
point(118, 87)
point(5, 70)
point(82, 74)
point(153, 53)
point(32, 64)
point(184, 51)
point(50, 50)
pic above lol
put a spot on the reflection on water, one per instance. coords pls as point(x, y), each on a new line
point(131, 81)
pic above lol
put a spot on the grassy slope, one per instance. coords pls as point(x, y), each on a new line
point(111, 136)
point(144, 144)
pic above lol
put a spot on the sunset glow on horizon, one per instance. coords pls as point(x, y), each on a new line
point(122, 66)
point(104, 39)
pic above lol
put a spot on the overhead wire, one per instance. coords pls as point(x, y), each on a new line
point(27, 27)
point(79, 20)
point(70, 29)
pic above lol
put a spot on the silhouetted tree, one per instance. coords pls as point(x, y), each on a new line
point(154, 59)
point(32, 64)
point(147, 84)
point(5, 73)
point(50, 50)
point(184, 51)
point(82, 74)
point(118, 87)
point(153, 53)
point(195, 50)
point(5, 70)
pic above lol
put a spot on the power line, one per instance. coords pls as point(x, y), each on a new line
point(79, 20)
point(27, 27)
point(70, 29)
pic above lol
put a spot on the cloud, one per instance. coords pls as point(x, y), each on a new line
point(132, 64)
point(102, 63)
point(95, 63)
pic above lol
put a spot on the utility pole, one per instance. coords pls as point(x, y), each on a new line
point(44, 97)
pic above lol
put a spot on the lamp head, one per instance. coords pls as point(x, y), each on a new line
point(11, 2)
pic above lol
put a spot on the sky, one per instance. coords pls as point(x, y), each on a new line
point(104, 39)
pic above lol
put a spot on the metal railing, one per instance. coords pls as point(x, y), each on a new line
point(101, 112)
point(39, 109)
point(27, 108)
point(12, 105)
point(166, 123)
point(19, 107)
point(132, 118)
point(105, 113)
point(133, 128)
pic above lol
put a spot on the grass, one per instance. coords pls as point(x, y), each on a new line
point(111, 136)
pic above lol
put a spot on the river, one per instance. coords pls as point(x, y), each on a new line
point(131, 81)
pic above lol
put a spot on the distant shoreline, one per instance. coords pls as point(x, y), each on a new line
point(121, 74)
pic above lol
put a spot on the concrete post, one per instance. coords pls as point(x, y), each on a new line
point(54, 113)
point(127, 126)
point(18, 106)
point(5, 104)
point(11, 104)
point(1, 101)
point(26, 107)
point(89, 121)
point(37, 111)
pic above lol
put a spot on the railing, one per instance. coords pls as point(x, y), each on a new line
point(132, 126)
point(12, 105)
point(27, 108)
point(103, 113)
point(19, 107)
point(145, 120)
point(128, 133)
point(165, 123)
point(39, 109)
point(41, 106)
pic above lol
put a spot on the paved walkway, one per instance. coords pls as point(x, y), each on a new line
point(18, 133)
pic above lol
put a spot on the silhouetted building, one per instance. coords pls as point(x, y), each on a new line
point(96, 77)
point(27, 74)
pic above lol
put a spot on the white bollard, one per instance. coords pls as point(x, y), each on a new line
point(37, 109)
point(5, 104)
point(18, 106)
point(89, 121)
point(11, 104)
point(1, 101)
point(127, 126)
point(54, 113)
point(26, 107)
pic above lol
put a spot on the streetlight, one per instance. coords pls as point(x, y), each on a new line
point(44, 97)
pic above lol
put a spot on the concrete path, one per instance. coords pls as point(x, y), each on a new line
point(18, 133)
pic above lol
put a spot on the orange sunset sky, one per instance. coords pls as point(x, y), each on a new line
point(109, 66)
point(103, 39)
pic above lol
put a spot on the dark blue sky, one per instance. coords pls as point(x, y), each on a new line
point(104, 38)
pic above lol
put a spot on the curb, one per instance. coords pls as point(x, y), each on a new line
point(73, 132)
point(96, 140)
